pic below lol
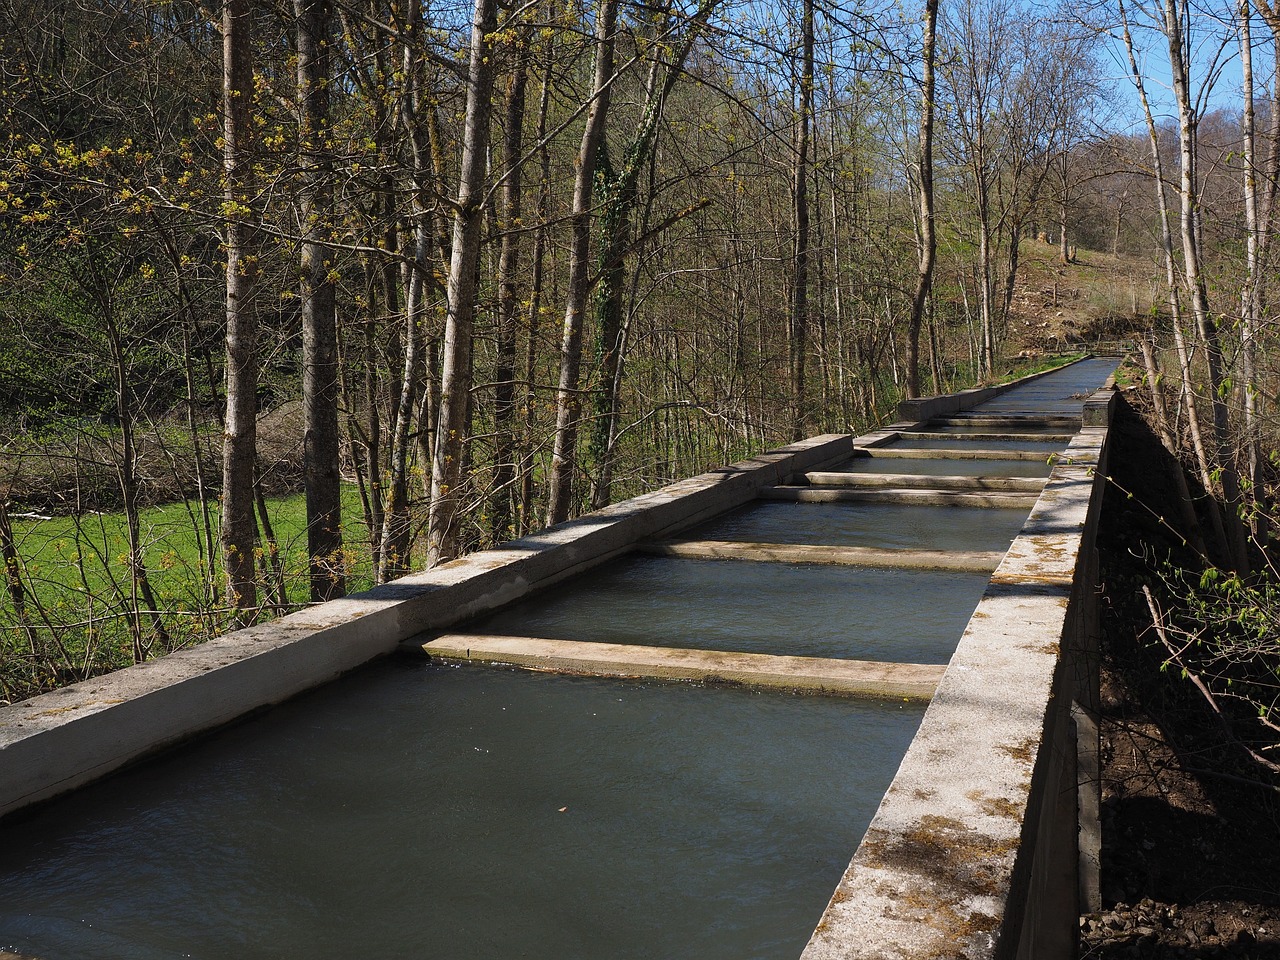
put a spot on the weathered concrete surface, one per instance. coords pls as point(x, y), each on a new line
point(1063, 438)
point(1011, 422)
point(924, 498)
point(973, 851)
point(862, 678)
point(61, 740)
point(933, 408)
point(948, 453)
point(961, 561)
point(819, 478)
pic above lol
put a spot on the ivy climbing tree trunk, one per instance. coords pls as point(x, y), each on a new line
point(617, 195)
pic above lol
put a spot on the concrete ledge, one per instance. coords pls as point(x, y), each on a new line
point(923, 498)
point(926, 481)
point(808, 674)
point(1005, 420)
point(973, 852)
point(61, 740)
point(960, 453)
point(1063, 438)
point(928, 408)
point(961, 561)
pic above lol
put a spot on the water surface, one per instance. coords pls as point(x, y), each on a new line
point(808, 610)
point(466, 814)
point(880, 525)
point(948, 468)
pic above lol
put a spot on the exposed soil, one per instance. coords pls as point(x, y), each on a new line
point(1190, 826)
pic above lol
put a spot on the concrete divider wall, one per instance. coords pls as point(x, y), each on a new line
point(927, 408)
point(985, 842)
point(61, 740)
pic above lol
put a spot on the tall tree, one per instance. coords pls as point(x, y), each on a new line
point(1194, 282)
point(239, 446)
point(927, 239)
point(799, 317)
point(618, 196)
point(319, 315)
point(568, 398)
point(468, 222)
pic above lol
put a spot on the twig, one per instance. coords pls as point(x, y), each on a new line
point(1176, 657)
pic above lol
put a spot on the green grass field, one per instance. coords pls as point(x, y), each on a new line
point(75, 577)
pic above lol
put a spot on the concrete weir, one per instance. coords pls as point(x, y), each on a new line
point(985, 844)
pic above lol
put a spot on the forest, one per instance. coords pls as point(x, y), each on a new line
point(296, 298)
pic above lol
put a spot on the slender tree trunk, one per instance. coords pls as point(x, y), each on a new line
point(1194, 283)
point(141, 597)
point(320, 452)
point(799, 326)
point(14, 588)
point(468, 222)
point(568, 399)
point(527, 512)
point(1251, 291)
point(1171, 282)
point(504, 404)
point(618, 193)
point(927, 241)
point(240, 423)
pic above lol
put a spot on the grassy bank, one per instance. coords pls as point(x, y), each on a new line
point(81, 613)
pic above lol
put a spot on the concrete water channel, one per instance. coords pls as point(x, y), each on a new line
point(450, 806)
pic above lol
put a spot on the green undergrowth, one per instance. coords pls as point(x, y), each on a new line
point(82, 613)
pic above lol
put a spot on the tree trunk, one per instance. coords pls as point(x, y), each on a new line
point(799, 326)
point(1171, 282)
point(504, 404)
point(534, 314)
point(928, 242)
point(468, 221)
point(240, 423)
point(618, 196)
point(320, 452)
point(1196, 289)
point(568, 401)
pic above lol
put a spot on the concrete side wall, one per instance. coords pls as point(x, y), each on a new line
point(61, 740)
point(926, 408)
point(973, 851)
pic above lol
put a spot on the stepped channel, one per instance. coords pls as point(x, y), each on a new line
point(585, 805)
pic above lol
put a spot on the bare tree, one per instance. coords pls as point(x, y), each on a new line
point(240, 423)
point(568, 398)
point(319, 316)
point(468, 221)
point(927, 240)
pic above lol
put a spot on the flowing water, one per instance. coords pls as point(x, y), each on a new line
point(468, 814)
point(807, 610)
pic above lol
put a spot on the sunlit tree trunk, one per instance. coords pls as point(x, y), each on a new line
point(320, 450)
point(468, 221)
point(568, 398)
point(927, 240)
point(799, 319)
point(504, 402)
point(1194, 282)
point(618, 195)
point(240, 423)
point(1171, 283)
